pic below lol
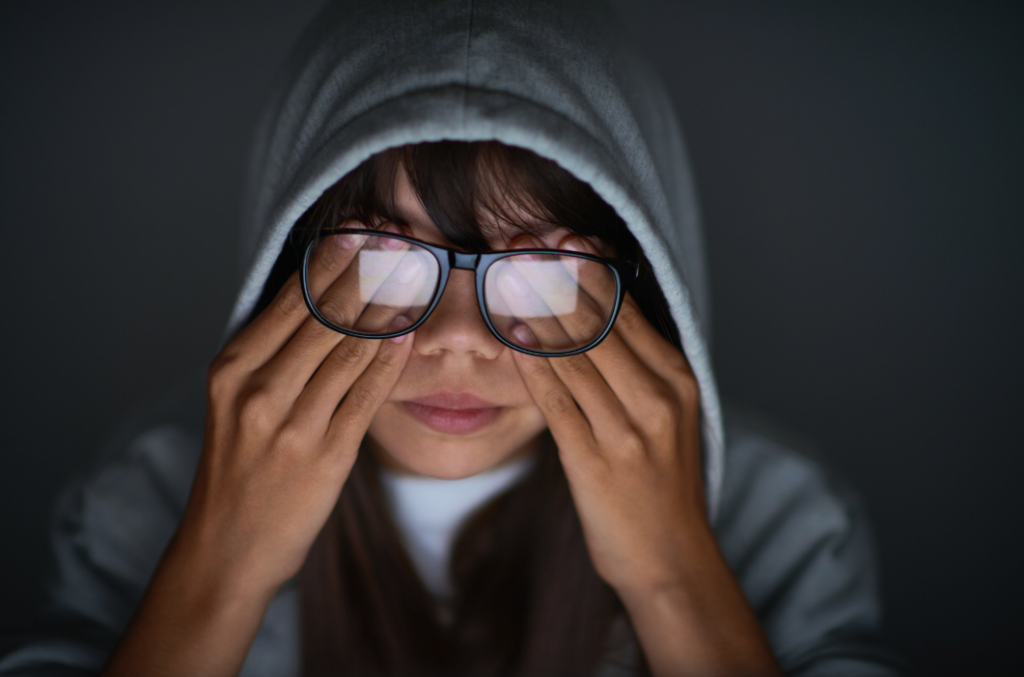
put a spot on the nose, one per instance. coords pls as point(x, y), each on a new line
point(456, 325)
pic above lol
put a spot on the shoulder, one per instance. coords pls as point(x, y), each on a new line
point(772, 490)
point(799, 543)
point(122, 516)
point(108, 532)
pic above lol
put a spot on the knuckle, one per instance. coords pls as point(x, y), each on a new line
point(677, 364)
point(575, 365)
point(223, 362)
point(587, 324)
point(291, 438)
point(389, 359)
point(222, 375)
point(532, 366)
point(364, 395)
point(689, 392)
point(663, 413)
point(559, 402)
point(256, 407)
point(631, 446)
point(332, 306)
point(630, 318)
point(324, 260)
point(593, 324)
point(349, 353)
point(290, 300)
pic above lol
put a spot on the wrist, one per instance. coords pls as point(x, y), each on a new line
point(195, 618)
point(691, 616)
point(688, 557)
point(212, 576)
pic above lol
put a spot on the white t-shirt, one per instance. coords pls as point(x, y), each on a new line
point(430, 511)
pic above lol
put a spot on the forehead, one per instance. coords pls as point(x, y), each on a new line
point(498, 231)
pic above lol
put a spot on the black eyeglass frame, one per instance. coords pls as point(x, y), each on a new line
point(624, 272)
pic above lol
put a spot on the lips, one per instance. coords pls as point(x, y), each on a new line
point(453, 413)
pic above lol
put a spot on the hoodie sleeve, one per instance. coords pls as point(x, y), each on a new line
point(801, 548)
point(107, 534)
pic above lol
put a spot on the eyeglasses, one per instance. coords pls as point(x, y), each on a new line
point(544, 302)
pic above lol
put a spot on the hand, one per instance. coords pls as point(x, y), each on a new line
point(631, 448)
point(278, 446)
point(626, 418)
point(277, 449)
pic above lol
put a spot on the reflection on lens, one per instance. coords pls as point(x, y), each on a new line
point(371, 282)
point(549, 302)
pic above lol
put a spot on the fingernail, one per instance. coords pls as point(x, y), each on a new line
point(349, 241)
point(528, 242)
point(398, 324)
point(523, 336)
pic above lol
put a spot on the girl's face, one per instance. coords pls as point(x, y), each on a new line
point(460, 407)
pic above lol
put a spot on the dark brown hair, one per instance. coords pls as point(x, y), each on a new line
point(528, 600)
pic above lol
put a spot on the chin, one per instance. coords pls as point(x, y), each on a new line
point(445, 461)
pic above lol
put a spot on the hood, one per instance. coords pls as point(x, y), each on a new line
point(555, 77)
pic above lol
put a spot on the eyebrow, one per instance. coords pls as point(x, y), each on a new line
point(505, 229)
point(510, 231)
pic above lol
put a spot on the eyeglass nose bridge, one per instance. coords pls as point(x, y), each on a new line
point(462, 260)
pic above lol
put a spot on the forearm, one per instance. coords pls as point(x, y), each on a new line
point(699, 622)
point(195, 619)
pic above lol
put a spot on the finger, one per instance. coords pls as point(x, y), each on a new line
point(396, 279)
point(524, 295)
point(631, 325)
point(653, 349)
point(520, 314)
point(329, 258)
point(305, 354)
point(362, 398)
point(328, 262)
point(533, 289)
point(570, 290)
point(597, 287)
point(649, 375)
point(406, 293)
point(317, 400)
point(612, 424)
point(536, 311)
point(262, 338)
point(344, 301)
point(647, 397)
point(567, 423)
point(596, 300)
point(659, 393)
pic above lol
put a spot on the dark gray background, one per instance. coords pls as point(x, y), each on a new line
point(860, 171)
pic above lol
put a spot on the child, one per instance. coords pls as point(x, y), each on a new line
point(466, 422)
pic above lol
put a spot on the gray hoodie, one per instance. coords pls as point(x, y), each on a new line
point(557, 78)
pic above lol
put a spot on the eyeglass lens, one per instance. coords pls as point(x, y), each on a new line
point(549, 302)
point(375, 284)
point(369, 283)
